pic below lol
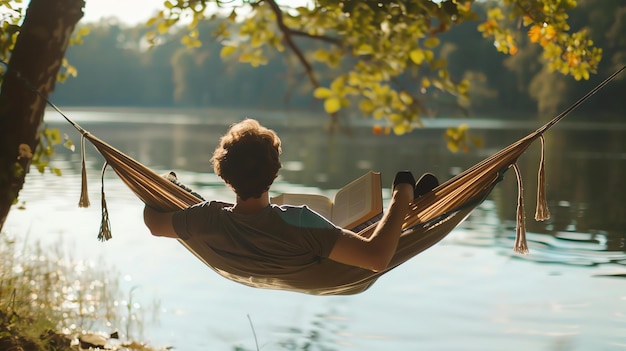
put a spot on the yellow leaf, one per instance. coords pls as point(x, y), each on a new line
point(71, 71)
point(396, 118)
point(406, 98)
point(495, 13)
point(354, 79)
point(379, 113)
point(227, 51)
point(452, 146)
point(322, 93)
point(431, 42)
point(321, 55)
point(256, 41)
point(151, 22)
point(83, 31)
point(332, 105)
point(417, 56)
point(163, 27)
point(54, 136)
point(367, 106)
point(429, 55)
point(69, 145)
point(364, 49)
point(399, 129)
point(463, 87)
point(338, 84)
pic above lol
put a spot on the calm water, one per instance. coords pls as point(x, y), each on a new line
point(467, 293)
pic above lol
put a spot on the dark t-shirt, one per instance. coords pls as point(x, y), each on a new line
point(277, 248)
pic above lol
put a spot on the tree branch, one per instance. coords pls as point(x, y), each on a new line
point(287, 33)
point(323, 38)
point(291, 44)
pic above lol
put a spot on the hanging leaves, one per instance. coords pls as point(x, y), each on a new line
point(48, 138)
point(460, 139)
point(381, 57)
point(568, 53)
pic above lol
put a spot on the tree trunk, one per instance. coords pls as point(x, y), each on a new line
point(33, 69)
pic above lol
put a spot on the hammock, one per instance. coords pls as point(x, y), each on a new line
point(431, 217)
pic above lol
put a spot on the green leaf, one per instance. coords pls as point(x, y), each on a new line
point(56, 171)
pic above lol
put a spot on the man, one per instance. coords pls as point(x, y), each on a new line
point(257, 237)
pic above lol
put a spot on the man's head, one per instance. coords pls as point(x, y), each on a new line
point(247, 158)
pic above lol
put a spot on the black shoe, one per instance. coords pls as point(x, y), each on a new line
point(426, 183)
point(403, 177)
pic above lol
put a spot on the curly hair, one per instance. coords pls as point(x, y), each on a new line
point(247, 158)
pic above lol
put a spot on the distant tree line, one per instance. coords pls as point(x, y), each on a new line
point(117, 67)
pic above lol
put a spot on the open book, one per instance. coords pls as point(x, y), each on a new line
point(355, 206)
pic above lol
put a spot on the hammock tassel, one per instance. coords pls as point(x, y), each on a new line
point(542, 213)
point(105, 225)
point(521, 246)
point(84, 194)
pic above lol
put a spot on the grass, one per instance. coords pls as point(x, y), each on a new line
point(48, 301)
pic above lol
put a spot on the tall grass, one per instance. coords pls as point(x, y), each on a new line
point(45, 289)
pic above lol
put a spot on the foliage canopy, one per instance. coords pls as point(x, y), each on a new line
point(382, 56)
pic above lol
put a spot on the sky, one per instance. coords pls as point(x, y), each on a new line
point(128, 11)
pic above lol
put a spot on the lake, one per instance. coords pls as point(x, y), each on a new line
point(469, 292)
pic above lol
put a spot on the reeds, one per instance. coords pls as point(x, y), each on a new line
point(44, 292)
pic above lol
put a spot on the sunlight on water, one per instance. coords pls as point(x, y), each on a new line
point(469, 292)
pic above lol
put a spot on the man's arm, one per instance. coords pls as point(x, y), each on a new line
point(375, 252)
point(159, 223)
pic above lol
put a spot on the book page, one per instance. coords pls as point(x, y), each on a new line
point(318, 203)
point(358, 201)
